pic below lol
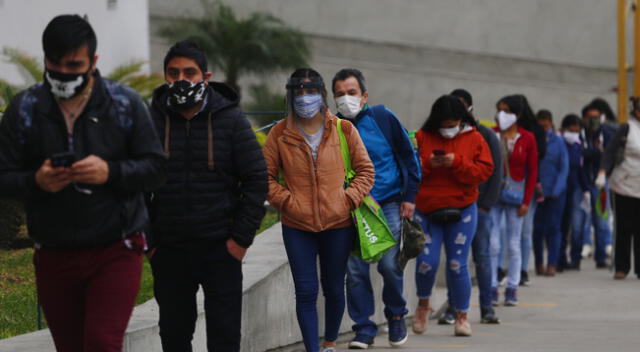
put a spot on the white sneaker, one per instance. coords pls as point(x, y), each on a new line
point(586, 251)
point(608, 249)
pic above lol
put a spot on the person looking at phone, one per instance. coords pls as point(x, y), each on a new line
point(455, 161)
point(88, 245)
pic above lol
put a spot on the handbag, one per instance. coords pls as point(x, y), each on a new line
point(512, 191)
point(374, 236)
point(445, 215)
point(413, 241)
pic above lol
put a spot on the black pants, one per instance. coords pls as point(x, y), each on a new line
point(627, 210)
point(178, 272)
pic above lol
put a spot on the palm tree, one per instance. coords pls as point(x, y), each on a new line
point(258, 44)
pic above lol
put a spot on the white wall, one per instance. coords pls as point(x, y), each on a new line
point(123, 31)
point(580, 32)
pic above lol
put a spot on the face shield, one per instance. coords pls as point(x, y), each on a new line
point(297, 86)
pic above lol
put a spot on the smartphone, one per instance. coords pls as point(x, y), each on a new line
point(64, 159)
point(439, 152)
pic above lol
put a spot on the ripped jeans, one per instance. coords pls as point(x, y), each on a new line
point(457, 238)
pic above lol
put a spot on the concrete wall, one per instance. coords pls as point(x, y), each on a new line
point(560, 54)
point(268, 309)
point(122, 28)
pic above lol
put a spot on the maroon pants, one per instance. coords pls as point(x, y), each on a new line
point(87, 295)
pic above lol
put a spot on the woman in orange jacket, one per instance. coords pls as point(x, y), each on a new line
point(315, 203)
point(455, 160)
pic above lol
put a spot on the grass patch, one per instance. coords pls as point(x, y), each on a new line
point(18, 302)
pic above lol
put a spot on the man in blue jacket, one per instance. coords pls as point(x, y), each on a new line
point(554, 169)
point(396, 184)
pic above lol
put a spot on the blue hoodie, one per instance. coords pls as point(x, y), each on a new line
point(577, 179)
point(554, 167)
point(391, 152)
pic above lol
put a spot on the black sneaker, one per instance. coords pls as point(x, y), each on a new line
point(524, 278)
point(489, 316)
point(361, 342)
point(602, 265)
point(448, 317)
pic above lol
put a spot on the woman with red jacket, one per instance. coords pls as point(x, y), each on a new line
point(455, 160)
point(520, 153)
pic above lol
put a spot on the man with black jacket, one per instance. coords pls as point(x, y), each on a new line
point(205, 217)
point(80, 151)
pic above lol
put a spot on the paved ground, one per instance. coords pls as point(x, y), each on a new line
point(574, 311)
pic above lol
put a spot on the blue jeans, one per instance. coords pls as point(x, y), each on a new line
point(601, 227)
point(333, 247)
point(481, 258)
point(360, 301)
point(575, 219)
point(547, 229)
point(514, 235)
point(457, 238)
point(527, 234)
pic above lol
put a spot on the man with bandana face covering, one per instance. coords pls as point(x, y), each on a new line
point(80, 151)
point(205, 217)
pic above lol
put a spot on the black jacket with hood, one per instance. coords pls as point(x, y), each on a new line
point(216, 176)
point(114, 126)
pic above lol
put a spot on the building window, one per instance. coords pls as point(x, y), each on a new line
point(111, 4)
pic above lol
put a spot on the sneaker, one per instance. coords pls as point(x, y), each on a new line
point(502, 277)
point(462, 327)
point(602, 265)
point(448, 317)
point(573, 266)
point(489, 316)
point(586, 251)
point(495, 297)
point(397, 332)
point(329, 346)
point(524, 278)
point(361, 342)
point(420, 319)
point(511, 297)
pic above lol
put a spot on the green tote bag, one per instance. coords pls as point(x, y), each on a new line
point(374, 236)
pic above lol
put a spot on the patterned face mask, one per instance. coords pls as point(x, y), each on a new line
point(66, 85)
point(186, 94)
point(308, 105)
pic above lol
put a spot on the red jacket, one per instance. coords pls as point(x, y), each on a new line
point(524, 162)
point(456, 186)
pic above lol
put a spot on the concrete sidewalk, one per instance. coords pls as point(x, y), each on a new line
point(573, 311)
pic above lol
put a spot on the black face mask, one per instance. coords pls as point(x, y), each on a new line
point(66, 85)
point(186, 94)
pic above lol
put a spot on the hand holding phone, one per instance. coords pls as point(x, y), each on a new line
point(64, 159)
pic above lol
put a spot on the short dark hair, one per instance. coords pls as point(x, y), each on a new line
point(588, 107)
point(544, 115)
point(571, 120)
point(465, 95)
point(445, 108)
point(188, 49)
point(65, 34)
point(346, 73)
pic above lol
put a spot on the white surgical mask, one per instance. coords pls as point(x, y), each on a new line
point(506, 120)
point(449, 133)
point(348, 106)
point(571, 137)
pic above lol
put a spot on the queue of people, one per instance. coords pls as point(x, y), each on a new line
point(106, 179)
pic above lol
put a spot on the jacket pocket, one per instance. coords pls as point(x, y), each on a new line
point(337, 209)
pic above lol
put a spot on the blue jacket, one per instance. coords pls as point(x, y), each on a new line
point(391, 152)
point(554, 167)
point(577, 179)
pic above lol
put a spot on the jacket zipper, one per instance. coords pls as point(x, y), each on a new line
point(187, 197)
